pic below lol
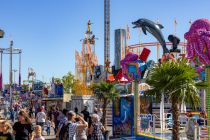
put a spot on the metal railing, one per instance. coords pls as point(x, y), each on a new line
point(200, 132)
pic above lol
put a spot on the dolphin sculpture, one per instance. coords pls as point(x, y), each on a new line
point(154, 29)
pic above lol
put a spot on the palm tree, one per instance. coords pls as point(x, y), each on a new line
point(175, 79)
point(68, 81)
point(106, 93)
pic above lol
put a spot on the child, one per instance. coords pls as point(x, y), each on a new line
point(5, 130)
point(37, 134)
point(48, 124)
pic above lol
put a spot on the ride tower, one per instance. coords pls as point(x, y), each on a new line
point(86, 60)
point(106, 36)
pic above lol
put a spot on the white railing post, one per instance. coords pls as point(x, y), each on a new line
point(199, 132)
point(153, 123)
point(195, 133)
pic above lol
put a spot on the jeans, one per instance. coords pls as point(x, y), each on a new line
point(48, 131)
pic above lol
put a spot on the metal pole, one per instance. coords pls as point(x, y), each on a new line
point(20, 68)
point(14, 77)
point(136, 108)
point(1, 79)
point(106, 30)
point(208, 97)
point(10, 76)
point(195, 132)
point(154, 124)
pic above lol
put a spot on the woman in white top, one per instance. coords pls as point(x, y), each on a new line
point(73, 126)
point(81, 134)
point(41, 118)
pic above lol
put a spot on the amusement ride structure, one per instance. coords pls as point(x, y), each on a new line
point(87, 59)
point(137, 48)
point(11, 51)
point(31, 75)
point(106, 36)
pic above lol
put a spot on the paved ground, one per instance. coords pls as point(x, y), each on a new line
point(52, 135)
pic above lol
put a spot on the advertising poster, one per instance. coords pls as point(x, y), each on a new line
point(123, 117)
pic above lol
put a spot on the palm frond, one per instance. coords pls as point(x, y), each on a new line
point(176, 80)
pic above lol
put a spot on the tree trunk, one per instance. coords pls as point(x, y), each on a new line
point(104, 112)
point(176, 124)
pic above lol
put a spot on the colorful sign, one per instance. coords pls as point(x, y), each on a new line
point(123, 120)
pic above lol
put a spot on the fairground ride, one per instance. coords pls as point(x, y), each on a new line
point(137, 48)
point(86, 61)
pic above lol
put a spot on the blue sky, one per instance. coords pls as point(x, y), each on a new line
point(49, 31)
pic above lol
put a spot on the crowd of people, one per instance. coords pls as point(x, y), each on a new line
point(67, 125)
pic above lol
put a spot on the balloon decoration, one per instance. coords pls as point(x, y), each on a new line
point(198, 42)
point(130, 66)
point(198, 50)
point(201, 73)
point(133, 67)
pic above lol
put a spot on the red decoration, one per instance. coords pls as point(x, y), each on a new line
point(119, 77)
point(110, 78)
point(145, 54)
point(167, 57)
point(45, 91)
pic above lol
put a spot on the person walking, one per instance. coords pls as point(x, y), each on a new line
point(41, 117)
point(5, 112)
point(96, 129)
point(48, 124)
point(100, 113)
point(55, 115)
point(63, 121)
point(86, 114)
point(12, 115)
point(23, 128)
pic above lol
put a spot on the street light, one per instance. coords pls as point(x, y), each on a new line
point(1, 36)
point(9, 51)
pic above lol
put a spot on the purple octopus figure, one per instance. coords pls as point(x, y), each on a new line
point(198, 41)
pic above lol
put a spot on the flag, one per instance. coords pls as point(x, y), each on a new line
point(128, 32)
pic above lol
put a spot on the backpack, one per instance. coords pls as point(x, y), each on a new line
point(64, 132)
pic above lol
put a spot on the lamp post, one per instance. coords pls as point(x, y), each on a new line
point(1, 36)
point(11, 51)
point(10, 71)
